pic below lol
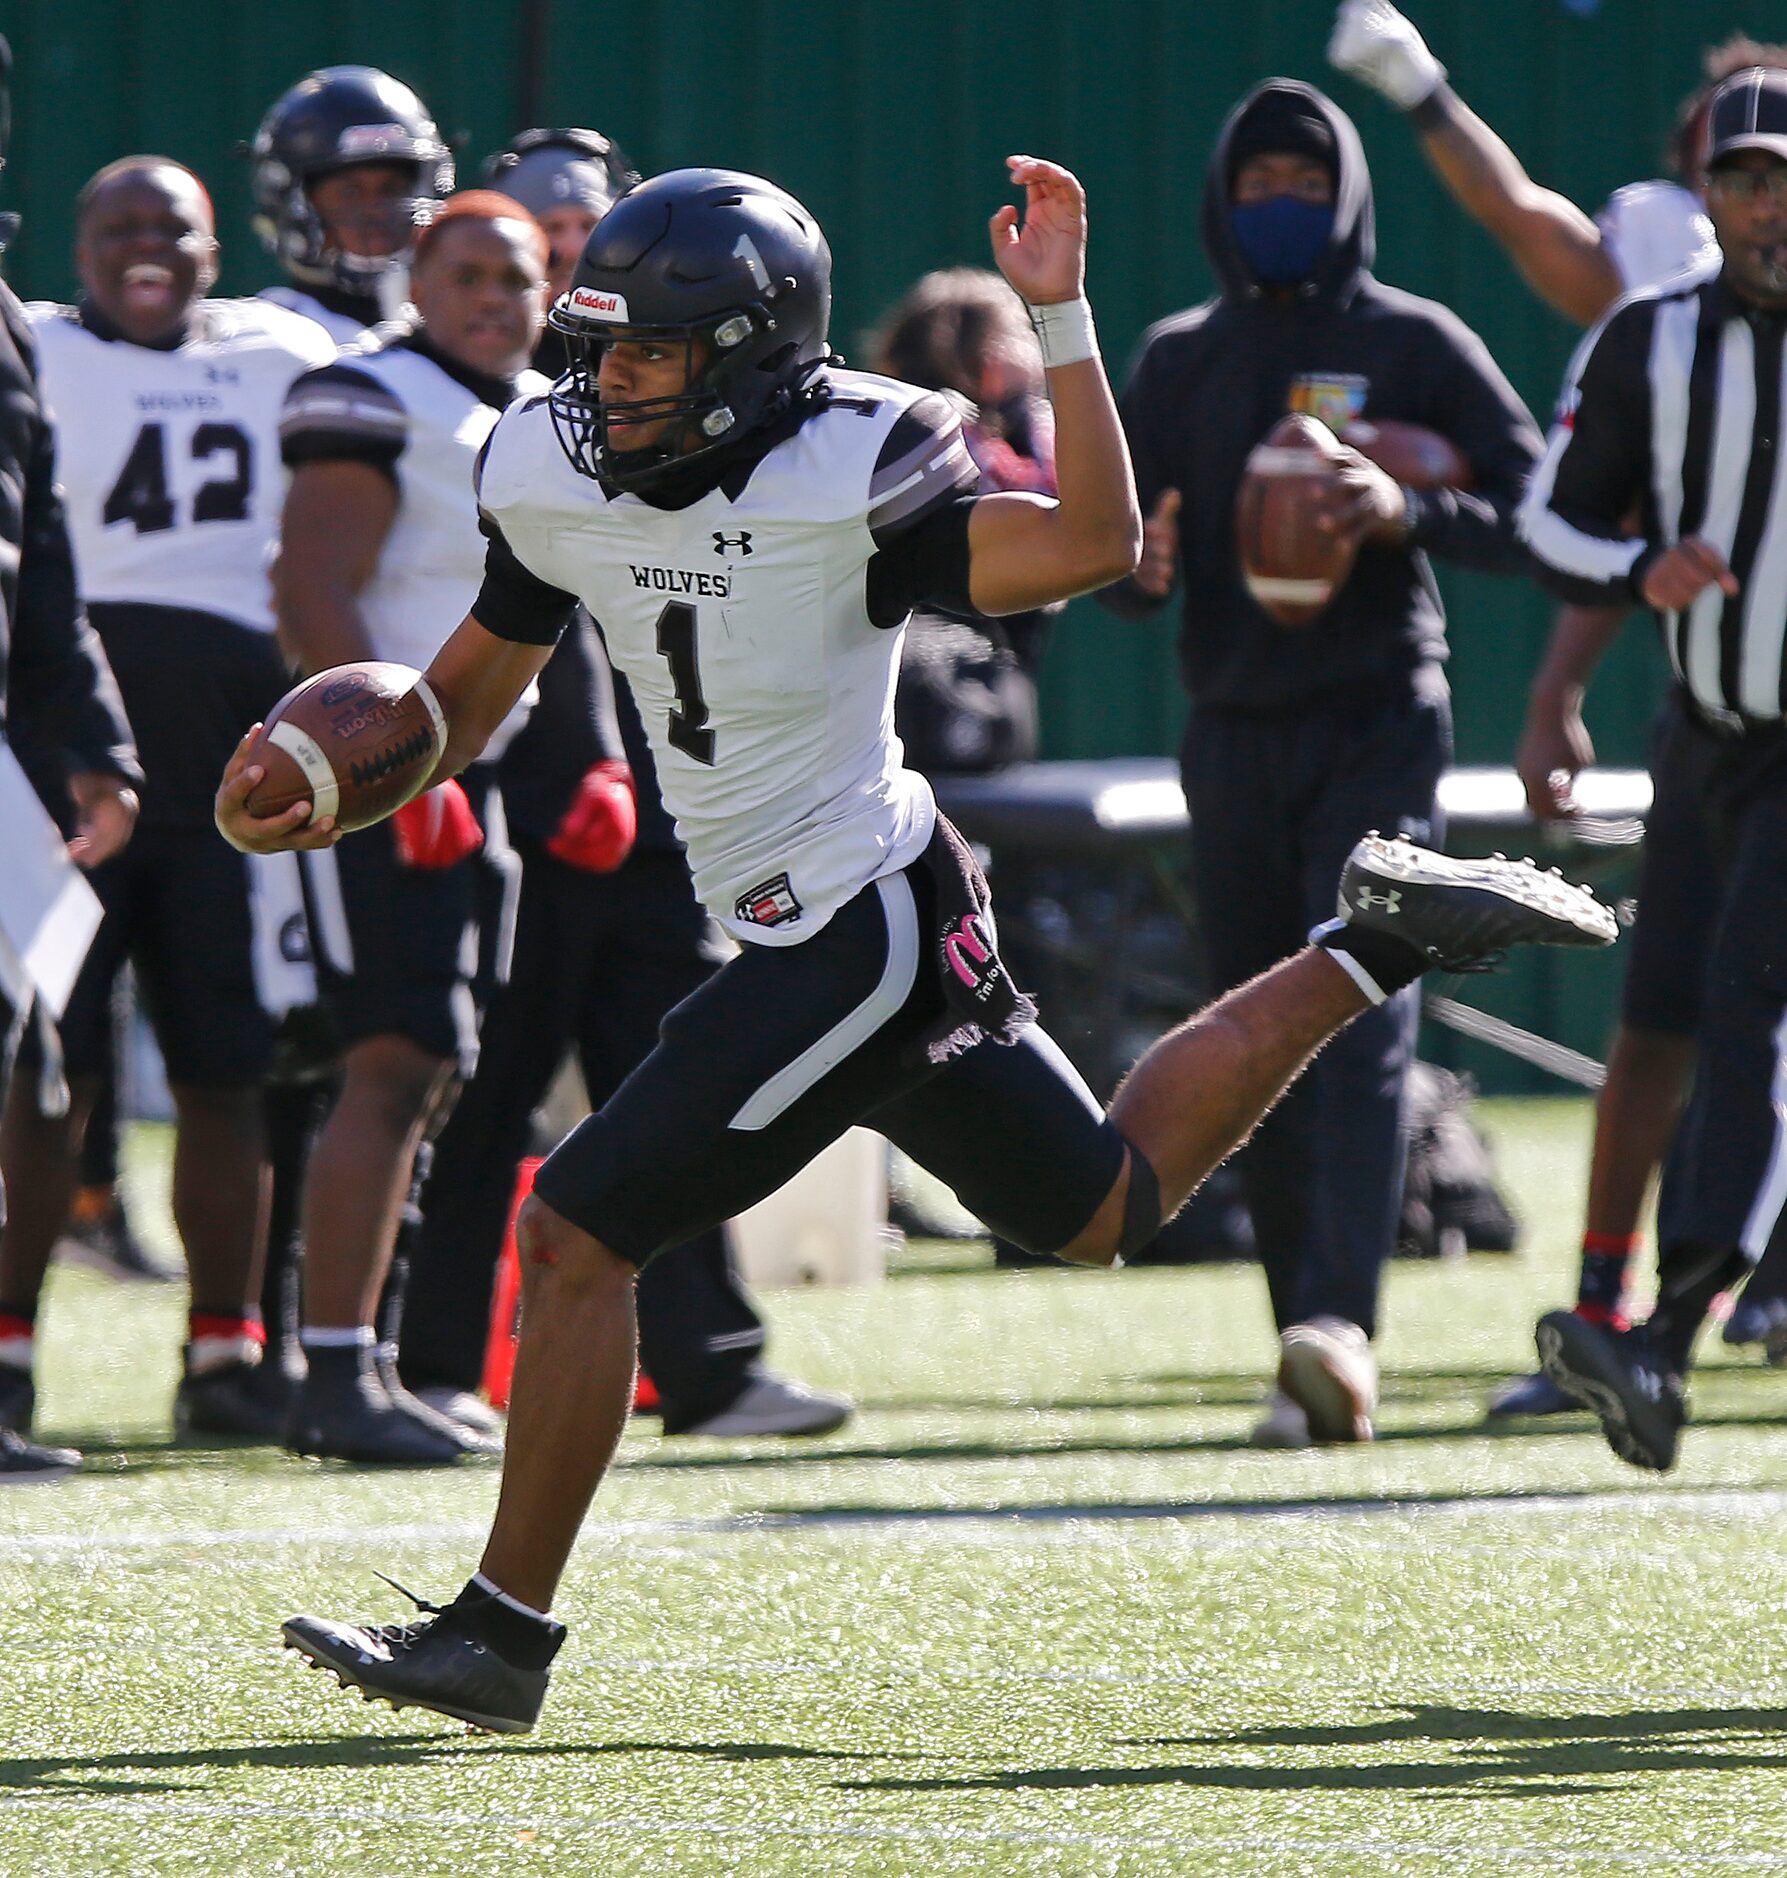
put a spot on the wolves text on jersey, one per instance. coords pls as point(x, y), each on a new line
point(680, 580)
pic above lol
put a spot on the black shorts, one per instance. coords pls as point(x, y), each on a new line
point(402, 951)
point(786, 1047)
point(1666, 954)
point(176, 905)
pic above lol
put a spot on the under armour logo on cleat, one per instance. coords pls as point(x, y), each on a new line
point(1391, 902)
point(739, 543)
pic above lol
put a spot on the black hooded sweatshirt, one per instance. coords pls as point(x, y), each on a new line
point(1207, 385)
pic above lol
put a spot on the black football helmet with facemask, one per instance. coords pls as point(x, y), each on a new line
point(332, 120)
point(726, 267)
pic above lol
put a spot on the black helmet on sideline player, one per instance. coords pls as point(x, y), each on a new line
point(694, 258)
point(330, 121)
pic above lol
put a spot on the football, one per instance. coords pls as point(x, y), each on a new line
point(355, 741)
point(1291, 567)
point(1413, 454)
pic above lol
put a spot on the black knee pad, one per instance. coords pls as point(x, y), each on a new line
point(1141, 1205)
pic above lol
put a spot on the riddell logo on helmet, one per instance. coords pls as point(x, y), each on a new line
point(371, 139)
point(599, 306)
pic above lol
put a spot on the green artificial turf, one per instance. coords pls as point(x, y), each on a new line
point(1037, 1610)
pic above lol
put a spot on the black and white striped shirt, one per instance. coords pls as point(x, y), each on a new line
point(1671, 423)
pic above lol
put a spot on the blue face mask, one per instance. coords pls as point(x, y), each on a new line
point(1283, 238)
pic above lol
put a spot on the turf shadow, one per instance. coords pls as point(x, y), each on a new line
point(1493, 1753)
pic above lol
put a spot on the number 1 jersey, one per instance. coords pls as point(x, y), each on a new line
point(759, 628)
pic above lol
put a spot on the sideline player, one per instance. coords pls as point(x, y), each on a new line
point(167, 404)
point(348, 169)
point(752, 527)
point(379, 547)
point(1581, 265)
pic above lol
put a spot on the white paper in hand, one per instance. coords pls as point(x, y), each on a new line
point(48, 912)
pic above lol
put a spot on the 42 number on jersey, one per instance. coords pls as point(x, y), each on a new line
point(142, 496)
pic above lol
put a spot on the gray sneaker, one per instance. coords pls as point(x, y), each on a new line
point(23, 1463)
point(1462, 915)
point(772, 1405)
point(1327, 1368)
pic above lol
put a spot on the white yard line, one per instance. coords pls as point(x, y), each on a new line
point(161, 1808)
point(972, 1524)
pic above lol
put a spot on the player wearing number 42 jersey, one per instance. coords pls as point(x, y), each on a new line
point(167, 406)
point(751, 527)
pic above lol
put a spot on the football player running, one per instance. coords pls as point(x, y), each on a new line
point(752, 526)
point(167, 404)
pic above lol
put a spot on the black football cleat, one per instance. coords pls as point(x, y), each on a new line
point(1463, 915)
point(437, 1662)
point(356, 1419)
point(23, 1463)
point(241, 1401)
point(1642, 1406)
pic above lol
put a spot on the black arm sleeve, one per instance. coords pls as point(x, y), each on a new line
point(514, 603)
point(1597, 468)
point(926, 565)
point(61, 686)
point(1480, 412)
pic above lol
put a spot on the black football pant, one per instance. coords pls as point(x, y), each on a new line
point(599, 959)
point(1277, 802)
point(1724, 1191)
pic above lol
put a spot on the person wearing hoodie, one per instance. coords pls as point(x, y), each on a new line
point(1300, 742)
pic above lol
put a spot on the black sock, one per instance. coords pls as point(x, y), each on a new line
point(1390, 963)
point(337, 1367)
point(518, 1637)
point(1692, 1276)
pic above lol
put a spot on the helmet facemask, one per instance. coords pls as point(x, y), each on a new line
point(734, 383)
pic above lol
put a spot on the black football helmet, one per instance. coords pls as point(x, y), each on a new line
point(332, 120)
point(693, 258)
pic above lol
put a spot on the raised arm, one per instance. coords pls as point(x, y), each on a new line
point(1557, 248)
point(1026, 550)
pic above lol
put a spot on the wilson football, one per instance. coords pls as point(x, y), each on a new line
point(1291, 567)
point(1413, 454)
point(355, 741)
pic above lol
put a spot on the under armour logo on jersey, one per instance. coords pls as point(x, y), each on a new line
point(1391, 902)
point(732, 544)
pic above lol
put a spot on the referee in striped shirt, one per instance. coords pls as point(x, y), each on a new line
point(1672, 414)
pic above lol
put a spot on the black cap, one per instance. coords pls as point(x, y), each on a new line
point(1748, 112)
point(1283, 123)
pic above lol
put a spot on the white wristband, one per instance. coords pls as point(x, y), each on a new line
point(1064, 331)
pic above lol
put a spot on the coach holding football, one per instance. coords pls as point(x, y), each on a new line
point(1673, 408)
point(1299, 742)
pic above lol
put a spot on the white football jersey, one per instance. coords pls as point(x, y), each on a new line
point(741, 624)
point(431, 427)
point(343, 328)
point(169, 460)
point(1654, 230)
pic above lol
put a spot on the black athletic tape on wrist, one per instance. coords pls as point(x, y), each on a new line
point(1141, 1204)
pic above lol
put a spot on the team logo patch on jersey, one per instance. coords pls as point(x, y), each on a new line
point(1333, 398)
point(732, 544)
point(771, 904)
